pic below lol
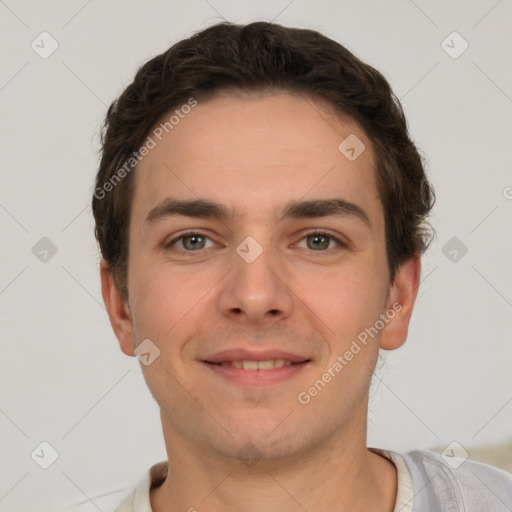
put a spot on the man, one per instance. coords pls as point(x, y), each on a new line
point(261, 213)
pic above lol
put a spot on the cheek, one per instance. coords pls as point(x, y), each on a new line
point(166, 297)
point(345, 300)
point(347, 303)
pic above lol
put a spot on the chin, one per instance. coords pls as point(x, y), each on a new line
point(259, 438)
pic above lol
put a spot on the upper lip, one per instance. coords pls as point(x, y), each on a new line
point(241, 354)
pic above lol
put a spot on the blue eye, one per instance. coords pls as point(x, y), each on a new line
point(321, 241)
point(191, 241)
point(195, 241)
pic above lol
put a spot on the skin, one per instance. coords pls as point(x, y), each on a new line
point(254, 154)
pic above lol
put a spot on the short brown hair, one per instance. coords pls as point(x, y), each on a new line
point(251, 58)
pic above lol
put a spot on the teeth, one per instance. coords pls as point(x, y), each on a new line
point(263, 365)
point(250, 365)
point(258, 365)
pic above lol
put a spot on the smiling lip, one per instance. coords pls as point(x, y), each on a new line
point(286, 365)
point(251, 355)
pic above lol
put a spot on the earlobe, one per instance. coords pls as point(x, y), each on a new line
point(118, 310)
point(402, 297)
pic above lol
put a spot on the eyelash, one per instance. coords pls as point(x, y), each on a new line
point(320, 232)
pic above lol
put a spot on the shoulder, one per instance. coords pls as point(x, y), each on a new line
point(453, 483)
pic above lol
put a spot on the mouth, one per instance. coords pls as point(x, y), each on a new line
point(256, 373)
point(251, 365)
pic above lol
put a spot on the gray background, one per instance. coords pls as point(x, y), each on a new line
point(63, 377)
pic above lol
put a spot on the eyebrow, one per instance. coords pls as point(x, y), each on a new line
point(206, 209)
point(324, 208)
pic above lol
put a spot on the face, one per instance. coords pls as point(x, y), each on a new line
point(282, 264)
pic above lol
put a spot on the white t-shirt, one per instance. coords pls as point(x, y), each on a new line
point(426, 483)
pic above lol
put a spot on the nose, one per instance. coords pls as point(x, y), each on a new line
point(257, 288)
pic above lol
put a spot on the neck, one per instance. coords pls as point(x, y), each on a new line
point(341, 475)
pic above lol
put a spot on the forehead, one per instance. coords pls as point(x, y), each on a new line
point(254, 151)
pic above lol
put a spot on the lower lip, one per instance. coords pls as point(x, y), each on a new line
point(253, 378)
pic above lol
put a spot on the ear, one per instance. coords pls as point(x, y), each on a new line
point(118, 310)
point(401, 299)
